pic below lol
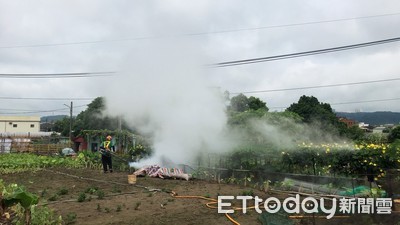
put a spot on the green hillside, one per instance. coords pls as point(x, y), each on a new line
point(373, 118)
point(51, 119)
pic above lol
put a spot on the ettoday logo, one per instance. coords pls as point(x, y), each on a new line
point(308, 205)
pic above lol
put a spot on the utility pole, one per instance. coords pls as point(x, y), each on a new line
point(70, 120)
point(119, 132)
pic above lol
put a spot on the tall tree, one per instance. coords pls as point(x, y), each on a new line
point(242, 103)
point(314, 112)
point(311, 110)
point(62, 126)
point(394, 134)
point(93, 118)
point(256, 104)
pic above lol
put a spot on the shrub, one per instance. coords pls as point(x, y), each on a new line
point(81, 197)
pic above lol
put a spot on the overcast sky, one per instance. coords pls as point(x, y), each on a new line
point(110, 32)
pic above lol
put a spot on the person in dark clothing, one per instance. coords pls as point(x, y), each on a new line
point(106, 158)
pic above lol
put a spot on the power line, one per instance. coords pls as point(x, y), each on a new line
point(47, 99)
point(56, 75)
point(18, 110)
point(30, 112)
point(200, 33)
point(346, 103)
point(366, 101)
point(319, 86)
point(23, 111)
point(292, 24)
point(302, 54)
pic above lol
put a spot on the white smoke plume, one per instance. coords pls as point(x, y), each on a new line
point(163, 91)
point(288, 134)
point(162, 95)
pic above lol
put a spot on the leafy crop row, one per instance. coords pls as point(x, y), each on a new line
point(14, 163)
point(320, 159)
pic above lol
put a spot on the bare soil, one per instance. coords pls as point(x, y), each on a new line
point(133, 204)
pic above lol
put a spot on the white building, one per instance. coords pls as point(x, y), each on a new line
point(378, 130)
point(19, 124)
point(363, 125)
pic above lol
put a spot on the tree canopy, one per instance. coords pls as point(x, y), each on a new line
point(242, 103)
point(62, 126)
point(394, 134)
point(314, 112)
point(92, 118)
point(311, 110)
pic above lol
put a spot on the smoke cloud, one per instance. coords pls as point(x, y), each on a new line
point(164, 95)
point(279, 131)
point(289, 134)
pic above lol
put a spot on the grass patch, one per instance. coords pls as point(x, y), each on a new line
point(70, 218)
point(62, 191)
point(137, 205)
point(81, 197)
point(100, 194)
point(53, 198)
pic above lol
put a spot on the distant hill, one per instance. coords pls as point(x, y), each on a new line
point(52, 119)
point(373, 118)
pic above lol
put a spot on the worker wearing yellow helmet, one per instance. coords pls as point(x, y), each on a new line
point(105, 149)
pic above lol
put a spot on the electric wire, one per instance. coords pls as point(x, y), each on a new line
point(346, 103)
point(49, 98)
point(23, 111)
point(200, 33)
point(221, 64)
point(317, 86)
point(292, 24)
point(366, 101)
point(245, 92)
point(302, 54)
point(57, 75)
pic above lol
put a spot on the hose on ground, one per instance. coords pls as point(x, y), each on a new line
point(211, 204)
